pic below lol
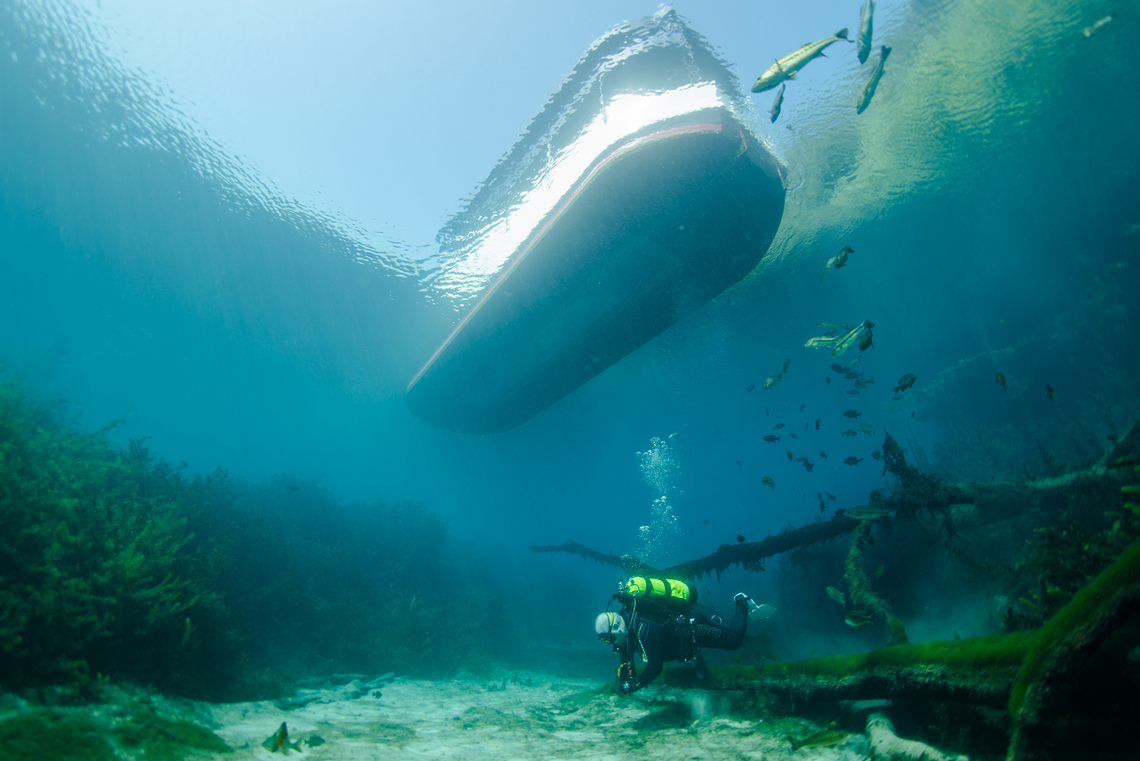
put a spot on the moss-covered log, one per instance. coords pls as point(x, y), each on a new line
point(981, 670)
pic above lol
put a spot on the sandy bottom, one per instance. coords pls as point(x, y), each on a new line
point(526, 716)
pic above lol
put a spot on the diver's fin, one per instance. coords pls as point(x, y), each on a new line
point(760, 612)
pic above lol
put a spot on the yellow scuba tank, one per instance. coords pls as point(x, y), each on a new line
point(672, 593)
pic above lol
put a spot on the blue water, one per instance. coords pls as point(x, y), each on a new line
point(989, 192)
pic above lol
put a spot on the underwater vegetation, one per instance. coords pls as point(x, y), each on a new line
point(113, 564)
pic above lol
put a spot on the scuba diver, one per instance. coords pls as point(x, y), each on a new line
point(654, 623)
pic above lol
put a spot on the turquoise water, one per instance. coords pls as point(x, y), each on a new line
point(989, 194)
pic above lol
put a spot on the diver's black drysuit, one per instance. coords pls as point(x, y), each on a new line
point(659, 636)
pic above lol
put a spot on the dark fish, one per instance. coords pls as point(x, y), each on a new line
point(831, 497)
point(778, 104)
point(801, 408)
point(740, 539)
point(853, 392)
point(1048, 391)
point(867, 341)
point(806, 426)
point(849, 432)
point(877, 454)
point(315, 740)
point(865, 33)
point(767, 413)
point(822, 504)
point(808, 465)
point(790, 455)
point(823, 454)
point(787, 362)
point(705, 522)
point(853, 374)
point(827, 379)
point(1001, 380)
point(905, 382)
point(738, 462)
point(777, 426)
point(801, 458)
point(818, 420)
point(751, 388)
point(852, 414)
point(873, 82)
point(771, 439)
point(839, 368)
point(838, 261)
point(852, 461)
point(793, 435)
point(767, 481)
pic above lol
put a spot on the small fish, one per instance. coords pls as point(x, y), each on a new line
point(315, 740)
point(787, 364)
point(1089, 31)
point(831, 497)
point(866, 342)
point(793, 435)
point(818, 341)
point(705, 522)
point(836, 595)
point(778, 104)
point(856, 618)
point(806, 426)
point(864, 382)
point(1001, 381)
point(853, 461)
point(852, 375)
point(905, 382)
point(785, 68)
point(738, 462)
point(751, 388)
point(827, 379)
point(767, 413)
point(852, 337)
point(818, 420)
point(278, 742)
point(852, 414)
point(868, 512)
point(849, 432)
point(837, 262)
point(877, 455)
point(740, 539)
point(777, 426)
point(853, 392)
point(873, 82)
point(767, 481)
point(1048, 391)
point(822, 504)
point(790, 455)
point(801, 408)
point(863, 36)
point(823, 454)
point(865, 428)
point(836, 367)
point(771, 380)
point(674, 435)
point(771, 439)
point(809, 466)
point(801, 458)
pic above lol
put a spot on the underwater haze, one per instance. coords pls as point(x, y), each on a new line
point(235, 226)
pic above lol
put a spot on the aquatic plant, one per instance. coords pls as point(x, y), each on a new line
point(95, 573)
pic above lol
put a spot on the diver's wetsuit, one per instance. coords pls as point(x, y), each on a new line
point(661, 637)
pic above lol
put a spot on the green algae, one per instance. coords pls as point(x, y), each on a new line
point(1124, 572)
point(160, 739)
point(56, 735)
